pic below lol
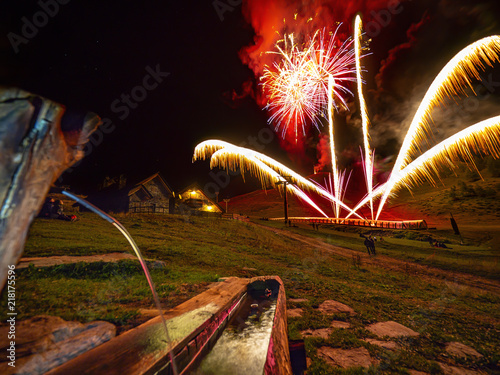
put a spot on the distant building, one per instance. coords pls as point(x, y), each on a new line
point(152, 195)
point(193, 198)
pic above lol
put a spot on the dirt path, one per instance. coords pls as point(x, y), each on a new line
point(394, 264)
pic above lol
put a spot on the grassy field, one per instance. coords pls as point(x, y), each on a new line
point(198, 251)
point(413, 246)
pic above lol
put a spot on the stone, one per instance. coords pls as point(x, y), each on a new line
point(390, 345)
point(321, 332)
point(457, 349)
point(339, 324)
point(294, 313)
point(345, 358)
point(415, 372)
point(452, 370)
point(391, 329)
point(37, 333)
point(333, 307)
point(63, 348)
point(249, 269)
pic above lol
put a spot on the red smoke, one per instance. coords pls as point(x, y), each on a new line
point(395, 53)
point(272, 18)
point(323, 148)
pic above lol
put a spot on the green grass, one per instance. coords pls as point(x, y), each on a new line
point(479, 260)
point(198, 251)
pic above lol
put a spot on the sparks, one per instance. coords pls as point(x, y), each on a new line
point(453, 79)
point(297, 85)
point(481, 138)
point(305, 85)
point(228, 156)
point(368, 157)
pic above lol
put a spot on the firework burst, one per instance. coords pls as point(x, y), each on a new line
point(305, 85)
point(297, 85)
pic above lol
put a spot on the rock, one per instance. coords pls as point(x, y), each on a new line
point(294, 313)
point(249, 269)
point(334, 307)
point(346, 358)
point(452, 370)
point(415, 372)
point(390, 345)
point(322, 332)
point(458, 349)
point(92, 335)
point(38, 333)
point(339, 324)
point(308, 361)
point(391, 329)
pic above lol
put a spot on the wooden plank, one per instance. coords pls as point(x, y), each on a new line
point(144, 348)
point(34, 150)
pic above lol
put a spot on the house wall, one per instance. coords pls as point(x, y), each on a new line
point(159, 202)
point(196, 194)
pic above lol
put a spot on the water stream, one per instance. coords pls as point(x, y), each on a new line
point(242, 347)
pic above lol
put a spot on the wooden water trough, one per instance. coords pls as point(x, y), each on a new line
point(207, 333)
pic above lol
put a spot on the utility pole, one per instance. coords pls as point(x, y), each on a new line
point(285, 202)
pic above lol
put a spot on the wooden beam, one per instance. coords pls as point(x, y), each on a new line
point(34, 150)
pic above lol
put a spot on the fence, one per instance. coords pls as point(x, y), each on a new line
point(139, 208)
point(406, 224)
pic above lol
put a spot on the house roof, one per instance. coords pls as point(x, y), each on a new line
point(137, 188)
point(196, 187)
point(143, 182)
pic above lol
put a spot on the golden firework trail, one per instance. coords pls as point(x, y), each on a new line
point(335, 172)
point(481, 138)
point(246, 158)
point(453, 79)
point(368, 157)
point(234, 156)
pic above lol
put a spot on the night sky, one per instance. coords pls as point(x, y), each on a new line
point(88, 53)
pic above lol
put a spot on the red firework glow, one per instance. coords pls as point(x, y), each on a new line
point(303, 18)
point(297, 86)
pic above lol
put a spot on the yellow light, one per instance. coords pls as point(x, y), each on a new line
point(210, 208)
